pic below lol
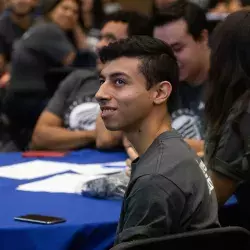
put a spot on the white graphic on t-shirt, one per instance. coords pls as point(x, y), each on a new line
point(82, 116)
point(204, 170)
point(187, 124)
point(201, 106)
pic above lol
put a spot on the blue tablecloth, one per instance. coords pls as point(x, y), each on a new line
point(91, 223)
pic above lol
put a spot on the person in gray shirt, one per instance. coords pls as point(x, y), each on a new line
point(170, 190)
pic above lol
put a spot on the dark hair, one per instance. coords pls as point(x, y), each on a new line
point(158, 62)
point(48, 5)
point(97, 13)
point(228, 89)
point(138, 24)
point(193, 14)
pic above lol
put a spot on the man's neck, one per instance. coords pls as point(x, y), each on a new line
point(23, 22)
point(144, 135)
point(203, 73)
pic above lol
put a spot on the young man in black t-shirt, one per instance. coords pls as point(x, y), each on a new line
point(169, 191)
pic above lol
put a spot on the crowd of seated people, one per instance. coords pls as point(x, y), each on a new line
point(204, 97)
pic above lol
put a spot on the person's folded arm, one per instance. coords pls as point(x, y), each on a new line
point(49, 134)
point(106, 139)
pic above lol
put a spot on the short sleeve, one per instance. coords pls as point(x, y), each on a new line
point(149, 210)
point(230, 160)
point(49, 40)
point(70, 87)
point(57, 102)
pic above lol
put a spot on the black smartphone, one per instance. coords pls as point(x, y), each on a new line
point(40, 219)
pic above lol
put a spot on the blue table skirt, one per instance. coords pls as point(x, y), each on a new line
point(91, 223)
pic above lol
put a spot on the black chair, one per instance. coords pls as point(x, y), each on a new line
point(227, 238)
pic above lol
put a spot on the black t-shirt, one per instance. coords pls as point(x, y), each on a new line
point(169, 192)
point(74, 101)
point(41, 48)
point(9, 33)
point(229, 148)
point(188, 118)
point(227, 155)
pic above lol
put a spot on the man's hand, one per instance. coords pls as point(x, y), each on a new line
point(131, 153)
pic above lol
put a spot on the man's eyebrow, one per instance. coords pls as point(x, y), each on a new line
point(101, 75)
point(116, 74)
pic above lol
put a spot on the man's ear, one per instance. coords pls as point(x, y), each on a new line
point(162, 92)
point(204, 37)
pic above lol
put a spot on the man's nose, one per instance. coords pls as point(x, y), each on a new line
point(102, 95)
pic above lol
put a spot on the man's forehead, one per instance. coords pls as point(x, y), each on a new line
point(124, 65)
point(117, 28)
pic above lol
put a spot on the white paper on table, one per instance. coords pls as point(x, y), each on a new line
point(95, 169)
point(115, 164)
point(63, 183)
point(34, 169)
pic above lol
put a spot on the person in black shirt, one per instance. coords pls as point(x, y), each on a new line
point(43, 47)
point(183, 26)
point(12, 26)
point(228, 110)
point(169, 191)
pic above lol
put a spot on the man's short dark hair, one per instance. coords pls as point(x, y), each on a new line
point(138, 24)
point(158, 62)
point(193, 14)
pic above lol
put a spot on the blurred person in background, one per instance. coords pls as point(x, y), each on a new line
point(44, 46)
point(92, 17)
point(69, 120)
point(227, 112)
point(12, 26)
point(183, 26)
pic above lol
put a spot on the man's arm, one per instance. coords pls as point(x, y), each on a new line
point(150, 215)
point(49, 134)
point(224, 187)
point(105, 138)
point(2, 64)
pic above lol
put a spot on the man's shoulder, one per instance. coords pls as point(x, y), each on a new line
point(152, 184)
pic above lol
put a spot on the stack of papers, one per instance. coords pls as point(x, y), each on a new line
point(92, 169)
point(33, 169)
point(61, 182)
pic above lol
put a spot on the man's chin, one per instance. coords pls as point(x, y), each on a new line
point(112, 128)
